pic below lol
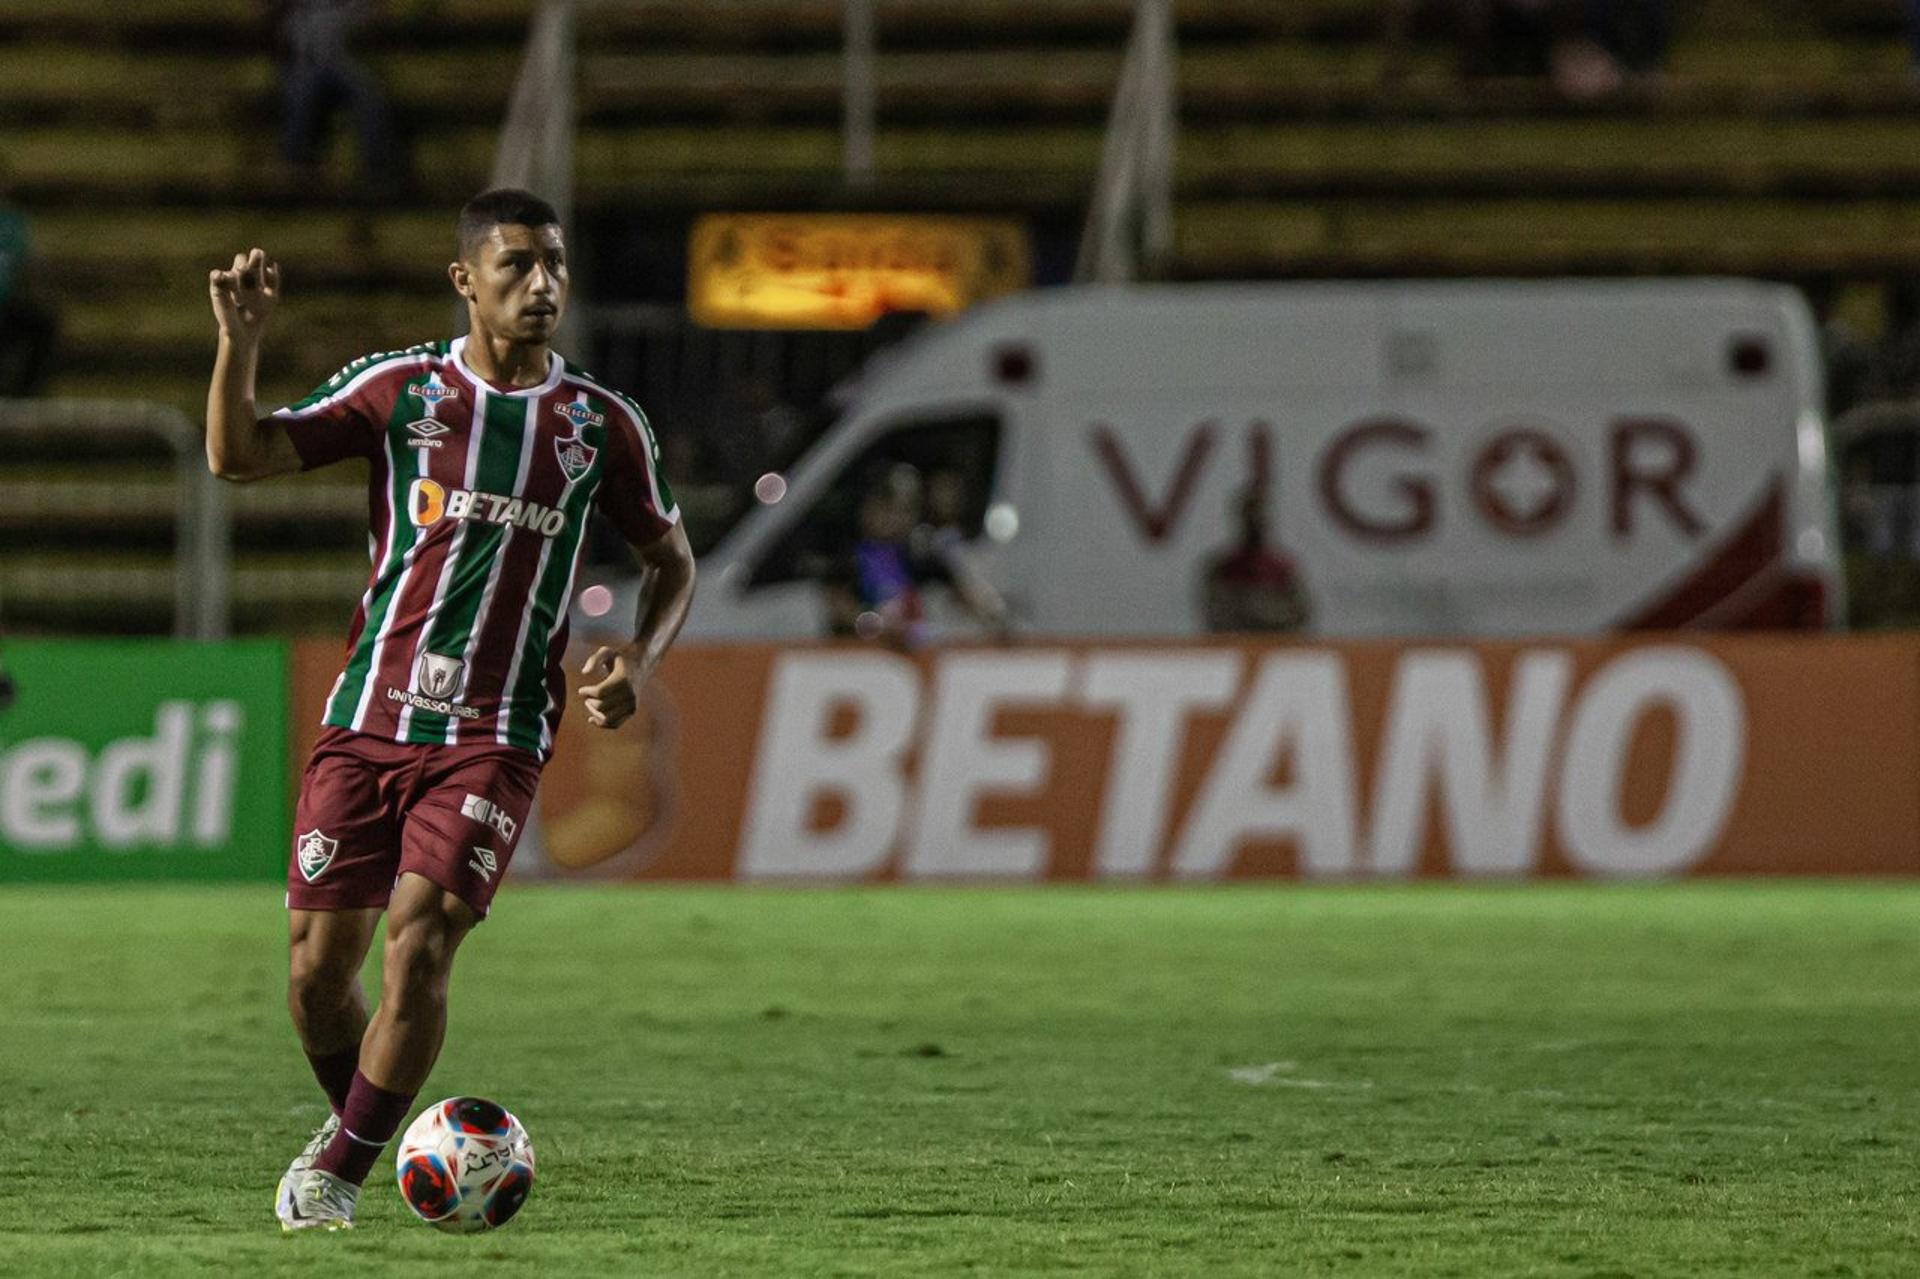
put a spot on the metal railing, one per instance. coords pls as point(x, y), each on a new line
point(1130, 219)
point(1129, 225)
point(203, 523)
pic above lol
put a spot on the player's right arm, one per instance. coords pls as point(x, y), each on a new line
point(241, 445)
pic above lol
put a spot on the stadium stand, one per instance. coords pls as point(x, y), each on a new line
point(1782, 141)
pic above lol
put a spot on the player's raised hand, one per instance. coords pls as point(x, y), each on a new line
point(611, 700)
point(245, 294)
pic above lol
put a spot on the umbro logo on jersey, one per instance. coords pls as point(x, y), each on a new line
point(429, 502)
point(580, 415)
point(315, 852)
point(432, 393)
point(484, 862)
point(426, 433)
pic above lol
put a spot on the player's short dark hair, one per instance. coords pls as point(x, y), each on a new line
point(502, 206)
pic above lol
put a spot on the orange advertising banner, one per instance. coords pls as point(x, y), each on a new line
point(1645, 757)
point(846, 270)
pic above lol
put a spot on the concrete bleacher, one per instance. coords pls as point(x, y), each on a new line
point(141, 139)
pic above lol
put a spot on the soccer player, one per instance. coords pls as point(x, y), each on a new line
point(487, 454)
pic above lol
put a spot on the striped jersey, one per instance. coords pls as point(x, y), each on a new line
point(478, 504)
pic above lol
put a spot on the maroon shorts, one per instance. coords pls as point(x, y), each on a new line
point(371, 809)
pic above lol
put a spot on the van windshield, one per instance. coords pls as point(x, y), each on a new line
point(924, 481)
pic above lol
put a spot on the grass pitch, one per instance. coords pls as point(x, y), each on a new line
point(1684, 1080)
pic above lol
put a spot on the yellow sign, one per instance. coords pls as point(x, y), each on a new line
point(844, 271)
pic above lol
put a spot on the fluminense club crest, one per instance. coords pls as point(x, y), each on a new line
point(576, 457)
point(315, 852)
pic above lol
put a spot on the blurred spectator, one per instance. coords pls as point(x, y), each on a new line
point(753, 430)
point(28, 324)
point(320, 74)
point(1847, 355)
point(1633, 33)
point(1585, 48)
point(878, 596)
point(1251, 586)
point(880, 593)
point(1896, 364)
point(939, 550)
point(1511, 37)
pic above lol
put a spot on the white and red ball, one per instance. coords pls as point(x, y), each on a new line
point(465, 1164)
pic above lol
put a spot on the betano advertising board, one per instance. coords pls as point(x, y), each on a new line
point(1194, 761)
point(144, 760)
point(1224, 760)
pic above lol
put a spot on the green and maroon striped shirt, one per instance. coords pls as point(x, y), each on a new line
point(478, 504)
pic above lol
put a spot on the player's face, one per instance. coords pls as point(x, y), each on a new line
point(516, 282)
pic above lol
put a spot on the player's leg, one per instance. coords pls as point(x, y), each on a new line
point(456, 843)
point(425, 926)
point(346, 852)
point(325, 950)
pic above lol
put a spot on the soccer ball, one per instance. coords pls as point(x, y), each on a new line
point(465, 1164)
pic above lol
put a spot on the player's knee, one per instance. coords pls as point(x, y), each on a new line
point(420, 954)
point(317, 980)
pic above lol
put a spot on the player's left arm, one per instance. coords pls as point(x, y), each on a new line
point(618, 671)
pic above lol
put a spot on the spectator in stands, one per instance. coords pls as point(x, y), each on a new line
point(1633, 33)
point(1510, 37)
point(1896, 363)
point(318, 74)
point(1585, 48)
point(28, 323)
point(1252, 587)
point(1847, 355)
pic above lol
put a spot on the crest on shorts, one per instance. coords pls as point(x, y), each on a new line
point(576, 457)
point(441, 678)
point(315, 853)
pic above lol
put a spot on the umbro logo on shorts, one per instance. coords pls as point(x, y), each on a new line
point(484, 862)
point(316, 853)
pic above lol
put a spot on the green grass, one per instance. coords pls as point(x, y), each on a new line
point(1581, 1081)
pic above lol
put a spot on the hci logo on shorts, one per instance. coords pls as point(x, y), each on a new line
point(316, 854)
point(440, 677)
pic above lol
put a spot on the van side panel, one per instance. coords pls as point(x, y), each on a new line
point(1164, 410)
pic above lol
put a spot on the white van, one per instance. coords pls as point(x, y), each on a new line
point(1478, 458)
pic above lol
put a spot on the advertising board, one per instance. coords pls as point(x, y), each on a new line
point(144, 759)
point(1230, 760)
